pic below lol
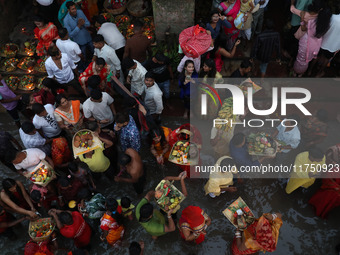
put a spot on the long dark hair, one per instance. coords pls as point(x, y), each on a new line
point(157, 132)
point(211, 64)
point(220, 42)
point(111, 205)
point(186, 63)
point(58, 99)
point(324, 17)
point(9, 183)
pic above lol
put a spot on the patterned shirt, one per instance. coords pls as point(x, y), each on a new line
point(129, 136)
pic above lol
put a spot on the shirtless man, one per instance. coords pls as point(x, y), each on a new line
point(131, 163)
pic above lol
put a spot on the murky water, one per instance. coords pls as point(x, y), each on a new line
point(302, 232)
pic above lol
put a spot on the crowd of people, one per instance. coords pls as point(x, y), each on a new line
point(91, 66)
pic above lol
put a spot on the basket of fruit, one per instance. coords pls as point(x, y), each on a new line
point(239, 214)
point(184, 153)
point(27, 83)
point(261, 144)
point(12, 82)
point(115, 7)
point(168, 196)
point(39, 83)
point(28, 49)
point(42, 174)
point(9, 50)
point(9, 65)
point(84, 141)
point(40, 65)
point(41, 229)
point(26, 64)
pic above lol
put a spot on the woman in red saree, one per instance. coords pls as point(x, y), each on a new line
point(72, 225)
point(38, 248)
point(230, 8)
point(45, 33)
point(193, 223)
point(262, 235)
point(61, 153)
point(186, 132)
point(98, 67)
point(327, 197)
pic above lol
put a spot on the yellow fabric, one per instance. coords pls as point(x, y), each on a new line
point(218, 180)
point(251, 243)
point(98, 163)
point(124, 210)
point(300, 177)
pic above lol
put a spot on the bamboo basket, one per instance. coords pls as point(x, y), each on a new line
point(36, 223)
point(82, 150)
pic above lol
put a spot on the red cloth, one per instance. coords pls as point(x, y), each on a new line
point(327, 197)
point(80, 231)
point(3, 218)
point(71, 192)
point(60, 151)
point(193, 215)
point(21, 200)
point(233, 14)
point(40, 248)
point(194, 41)
point(46, 97)
point(91, 70)
point(45, 37)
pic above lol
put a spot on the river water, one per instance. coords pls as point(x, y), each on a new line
point(302, 232)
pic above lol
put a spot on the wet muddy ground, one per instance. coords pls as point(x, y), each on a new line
point(302, 232)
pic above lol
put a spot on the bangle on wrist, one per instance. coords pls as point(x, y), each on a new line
point(169, 216)
point(54, 239)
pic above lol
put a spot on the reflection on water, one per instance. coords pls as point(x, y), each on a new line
point(302, 232)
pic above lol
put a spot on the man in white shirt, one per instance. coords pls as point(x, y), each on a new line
point(111, 35)
point(153, 96)
point(330, 44)
point(44, 119)
point(99, 107)
point(60, 67)
point(289, 138)
point(104, 51)
point(72, 49)
point(25, 161)
point(136, 75)
point(32, 139)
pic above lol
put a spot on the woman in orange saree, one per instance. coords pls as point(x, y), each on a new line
point(262, 235)
point(160, 147)
point(193, 223)
point(110, 223)
point(61, 153)
point(45, 33)
point(68, 114)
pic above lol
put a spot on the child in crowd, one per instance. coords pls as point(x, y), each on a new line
point(81, 171)
point(127, 207)
point(111, 223)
